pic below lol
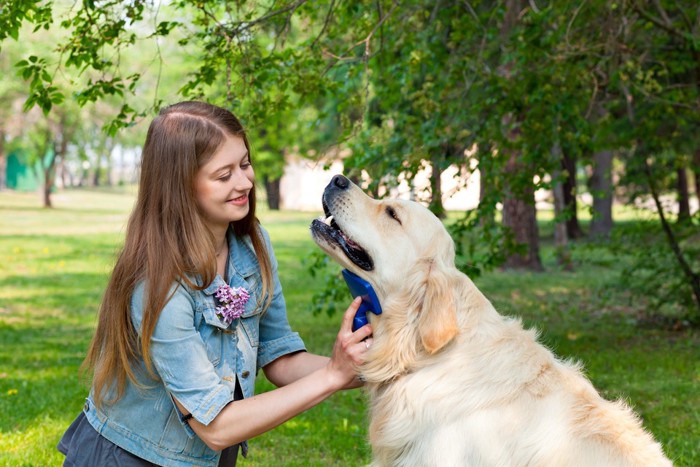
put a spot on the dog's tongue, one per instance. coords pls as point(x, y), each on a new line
point(348, 240)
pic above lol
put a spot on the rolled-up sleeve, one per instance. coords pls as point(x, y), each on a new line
point(179, 356)
point(276, 335)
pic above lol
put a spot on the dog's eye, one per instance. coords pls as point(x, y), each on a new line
point(392, 213)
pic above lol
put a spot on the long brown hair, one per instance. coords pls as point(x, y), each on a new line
point(166, 241)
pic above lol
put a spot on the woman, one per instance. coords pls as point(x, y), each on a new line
point(193, 309)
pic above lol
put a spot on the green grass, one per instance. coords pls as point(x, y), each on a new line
point(54, 265)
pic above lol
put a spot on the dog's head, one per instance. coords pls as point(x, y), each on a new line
point(401, 248)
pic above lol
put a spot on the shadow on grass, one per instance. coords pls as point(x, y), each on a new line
point(40, 295)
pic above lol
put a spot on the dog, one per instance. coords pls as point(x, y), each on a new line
point(451, 382)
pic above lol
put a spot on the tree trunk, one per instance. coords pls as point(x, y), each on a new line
point(488, 187)
point(683, 195)
point(49, 174)
point(519, 212)
point(46, 166)
point(60, 148)
point(696, 173)
point(600, 186)
point(520, 218)
point(561, 220)
point(573, 229)
point(97, 172)
point(561, 240)
point(109, 172)
point(272, 187)
point(436, 205)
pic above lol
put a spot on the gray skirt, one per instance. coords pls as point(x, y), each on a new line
point(83, 446)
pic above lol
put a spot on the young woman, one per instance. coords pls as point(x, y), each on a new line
point(194, 307)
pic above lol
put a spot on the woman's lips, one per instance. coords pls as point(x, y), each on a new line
point(240, 201)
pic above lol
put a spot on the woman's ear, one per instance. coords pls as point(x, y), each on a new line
point(437, 321)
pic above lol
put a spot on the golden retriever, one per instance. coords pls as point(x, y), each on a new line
point(451, 381)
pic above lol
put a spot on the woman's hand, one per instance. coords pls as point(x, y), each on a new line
point(350, 349)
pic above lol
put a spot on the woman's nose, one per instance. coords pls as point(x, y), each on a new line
point(244, 180)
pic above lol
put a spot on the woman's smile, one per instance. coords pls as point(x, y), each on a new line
point(239, 201)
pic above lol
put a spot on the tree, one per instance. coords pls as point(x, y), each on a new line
point(537, 90)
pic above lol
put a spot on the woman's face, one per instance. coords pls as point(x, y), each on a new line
point(222, 184)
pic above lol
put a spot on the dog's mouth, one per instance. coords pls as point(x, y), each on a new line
point(327, 228)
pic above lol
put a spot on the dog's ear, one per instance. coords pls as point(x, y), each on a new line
point(437, 322)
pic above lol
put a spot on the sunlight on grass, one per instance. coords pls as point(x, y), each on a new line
point(75, 212)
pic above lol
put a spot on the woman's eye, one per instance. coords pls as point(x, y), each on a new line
point(392, 213)
point(226, 177)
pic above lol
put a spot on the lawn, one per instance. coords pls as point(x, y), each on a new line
point(54, 265)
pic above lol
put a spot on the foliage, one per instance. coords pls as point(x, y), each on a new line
point(407, 85)
point(334, 293)
point(481, 244)
point(653, 273)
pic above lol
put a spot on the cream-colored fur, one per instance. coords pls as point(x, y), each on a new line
point(454, 383)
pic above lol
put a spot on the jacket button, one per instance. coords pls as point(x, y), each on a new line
point(245, 374)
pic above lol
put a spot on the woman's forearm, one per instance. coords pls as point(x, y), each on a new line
point(247, 418)
point(289, 368)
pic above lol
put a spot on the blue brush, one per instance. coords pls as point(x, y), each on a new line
point(361, 288)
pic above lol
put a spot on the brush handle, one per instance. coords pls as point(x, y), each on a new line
point(360, 317)
point(361, 288)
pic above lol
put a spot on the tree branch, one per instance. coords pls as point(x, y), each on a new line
point(326, 22)
point(692, 277)
point(666, 25)
point(245, 25)
point(364, 41)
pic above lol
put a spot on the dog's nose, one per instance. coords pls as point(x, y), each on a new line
point(340, 182)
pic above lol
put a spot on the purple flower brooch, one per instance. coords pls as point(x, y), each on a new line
point(232, 301)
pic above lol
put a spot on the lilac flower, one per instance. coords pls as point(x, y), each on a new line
point(232, 301)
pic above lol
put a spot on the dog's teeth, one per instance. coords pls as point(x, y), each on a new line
point(328, 220)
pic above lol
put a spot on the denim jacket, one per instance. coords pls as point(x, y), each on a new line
point(197, 359)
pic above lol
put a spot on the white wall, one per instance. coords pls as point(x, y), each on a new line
point(303, 182)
